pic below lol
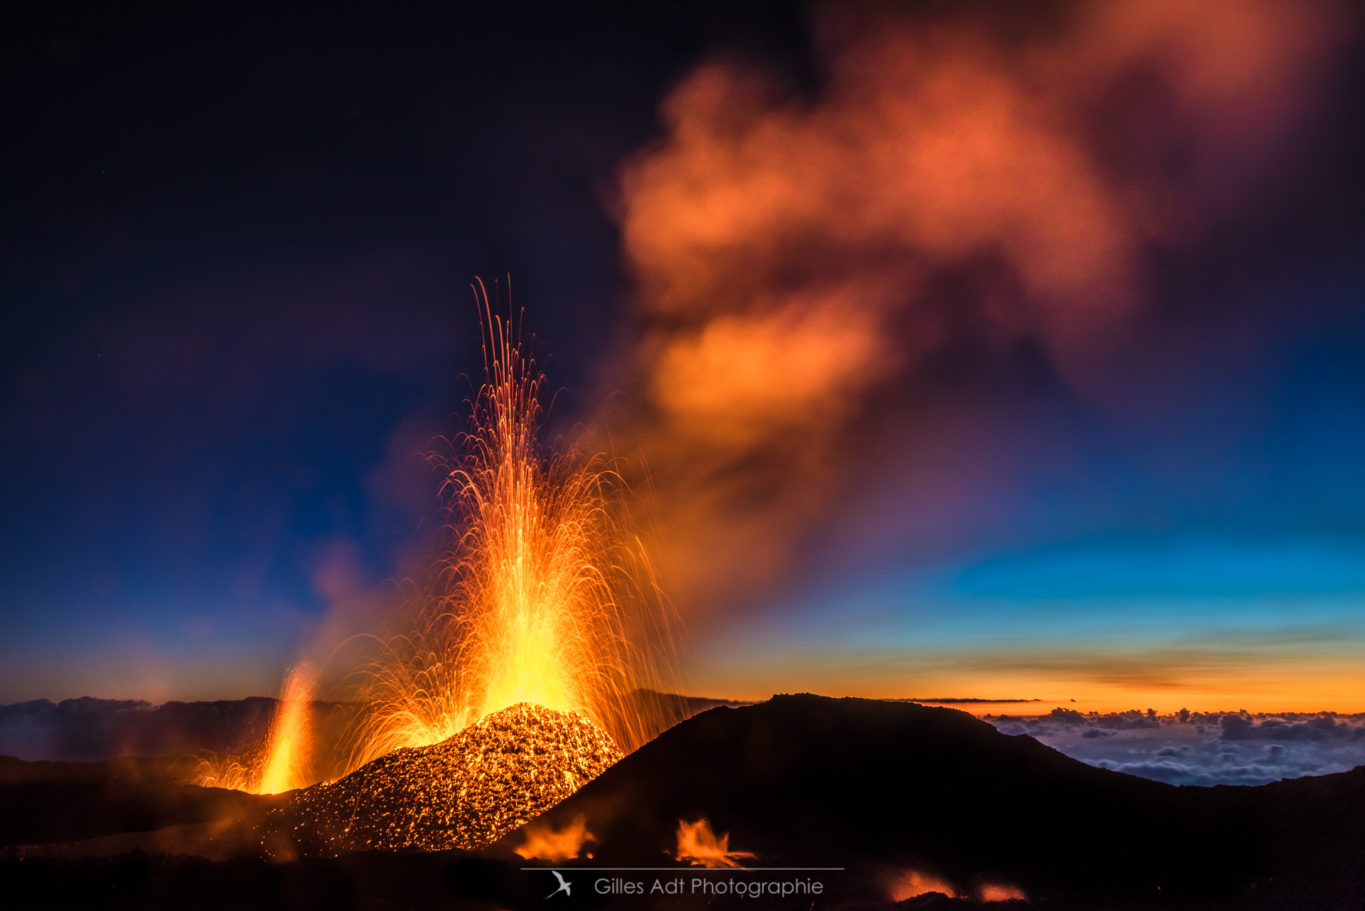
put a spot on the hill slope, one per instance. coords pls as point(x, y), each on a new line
point(877, 785)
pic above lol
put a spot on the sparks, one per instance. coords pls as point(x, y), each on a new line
point(543, 597)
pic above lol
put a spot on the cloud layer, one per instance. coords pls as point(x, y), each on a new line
point(1202, 748)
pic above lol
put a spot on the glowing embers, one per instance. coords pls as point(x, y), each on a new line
point(464, 792)
point(236, 771)
point(907, 884)
point(700, 847)
point(556, 845)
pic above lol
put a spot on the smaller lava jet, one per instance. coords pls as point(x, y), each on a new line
point(283, 764)
point(286, 766)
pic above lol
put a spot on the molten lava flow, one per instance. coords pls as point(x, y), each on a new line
point(556, 845)
point(700, 847)
point(543, 598)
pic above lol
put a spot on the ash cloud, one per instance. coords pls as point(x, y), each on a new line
point(958, 196)
point(1195, 748)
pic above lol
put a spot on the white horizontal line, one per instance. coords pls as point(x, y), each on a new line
point(691, 869)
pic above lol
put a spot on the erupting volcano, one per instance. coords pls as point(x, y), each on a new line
point(509, 677)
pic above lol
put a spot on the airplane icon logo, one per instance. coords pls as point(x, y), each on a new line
point(564, 885)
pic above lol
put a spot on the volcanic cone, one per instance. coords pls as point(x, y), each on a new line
point(464, 792)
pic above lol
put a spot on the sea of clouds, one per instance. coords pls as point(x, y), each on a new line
point(1196, 748)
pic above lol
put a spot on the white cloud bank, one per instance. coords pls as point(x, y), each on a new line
point(1199, 748)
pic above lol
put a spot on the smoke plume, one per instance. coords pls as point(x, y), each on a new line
point(809, 251)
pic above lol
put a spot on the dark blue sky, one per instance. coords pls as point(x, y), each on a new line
point(236, 285)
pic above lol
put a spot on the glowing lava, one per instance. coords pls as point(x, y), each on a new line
point(556, 845)
point(286, 765)
point(465, 792)
point(701, 847)
point(543, 598)
point(283, 766)
point(909, 884)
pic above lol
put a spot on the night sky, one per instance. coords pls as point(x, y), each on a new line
point(1073, 410)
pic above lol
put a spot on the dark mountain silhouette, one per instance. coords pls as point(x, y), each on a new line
point(46, 802)
point(878, 788)
point(806, 780)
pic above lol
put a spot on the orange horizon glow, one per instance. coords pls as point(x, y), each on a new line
point(1324, 688)
point(1301, 687)
point(1102, 676)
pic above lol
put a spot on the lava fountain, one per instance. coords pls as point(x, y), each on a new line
point(544, 596)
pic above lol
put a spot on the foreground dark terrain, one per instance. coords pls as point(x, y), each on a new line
point(878, 789)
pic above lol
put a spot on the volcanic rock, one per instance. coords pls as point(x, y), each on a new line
point(464, 792)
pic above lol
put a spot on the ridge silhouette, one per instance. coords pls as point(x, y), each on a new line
point(878, 786)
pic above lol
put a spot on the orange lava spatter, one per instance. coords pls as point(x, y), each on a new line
point(544, 594)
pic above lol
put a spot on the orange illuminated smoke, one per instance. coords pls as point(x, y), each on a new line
point(700, 847)
point(543, 597)
point(556, 845)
